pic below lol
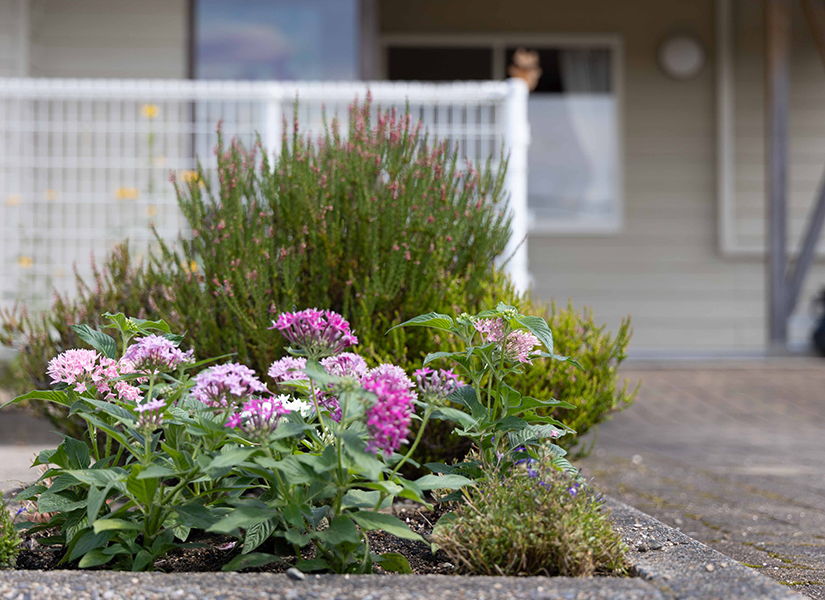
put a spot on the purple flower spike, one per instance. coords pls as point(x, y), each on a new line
point(156, 354)
point(151, 414)
point(225, 385)
point(436, 386)
point(316, 333)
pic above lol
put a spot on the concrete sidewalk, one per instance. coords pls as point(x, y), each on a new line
point(733, 456)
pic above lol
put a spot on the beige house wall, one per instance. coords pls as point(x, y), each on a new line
point(665, 267)
point(108, 38)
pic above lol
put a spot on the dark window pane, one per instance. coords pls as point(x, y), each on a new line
point(572, 70)
point(439, 64)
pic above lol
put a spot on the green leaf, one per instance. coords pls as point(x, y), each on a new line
point(395, 563)
point(116, 525)
point(443, 482)
point(98, 340)
point(141, 490)
point(539, 328)
point(56, 396)
point(30, 492)
point(257, 534)
point(527, 403)
point(341, 530)
point(142, 560)
point(371, 521)
point(247, 561)
point(466, 396)
point(76, 452)
point(242, 517)
point(62, 503)
point(156, 471)
point(230, 459)
point(445, 413)
point(197, 516)
point(511, 423)
point(95, 500)
point(290, 467)
point(94, 558)
point(431, 319)
point(364, 500)
point(100, 477)
point(112, 409)
point(317, 373)
point(314, 564)
point(88, 541)
point(366, 462)
point(437, 355)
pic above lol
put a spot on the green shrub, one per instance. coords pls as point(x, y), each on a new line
point(9, 540)
point(536, 520)
point(320, 227)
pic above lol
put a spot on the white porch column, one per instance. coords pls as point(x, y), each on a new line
point(517, 141)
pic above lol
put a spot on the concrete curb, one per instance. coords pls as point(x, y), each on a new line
point(681, 567)
point(670, 565)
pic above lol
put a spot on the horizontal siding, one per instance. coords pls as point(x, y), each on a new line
point(109, 38)
point(11, 38)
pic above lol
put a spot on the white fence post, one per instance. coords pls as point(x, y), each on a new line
point(517, 141)
point(273, 122)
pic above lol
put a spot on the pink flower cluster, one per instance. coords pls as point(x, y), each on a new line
point(436, 385)
point(517, 347)
point(288, 368)
point(388, 420)
point(315, 332)
point(258, 417)
point(346, 364)
point(82, 369)
point(491, 330)
point(227, 385)
point(156, 354)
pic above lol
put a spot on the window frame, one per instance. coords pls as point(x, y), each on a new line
point(499, 42)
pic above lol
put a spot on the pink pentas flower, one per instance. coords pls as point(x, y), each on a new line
point(316, 333)
point(258, 417)
point(519, 346)
point(225, 385)
point(346, 364)
point(388, 419)
point(436, 385)
point(77, 368)
point(81, 369)
point(156, 354)
point(491, 330)
point(288, 368)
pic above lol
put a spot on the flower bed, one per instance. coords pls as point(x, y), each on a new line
point(302, 475)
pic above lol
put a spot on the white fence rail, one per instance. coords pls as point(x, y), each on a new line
point(85, 164)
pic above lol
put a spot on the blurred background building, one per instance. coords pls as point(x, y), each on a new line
point(645, 189)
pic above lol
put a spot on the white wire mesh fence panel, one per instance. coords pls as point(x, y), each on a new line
point(86, 164)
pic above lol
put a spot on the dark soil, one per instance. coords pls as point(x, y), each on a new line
point(209, 552)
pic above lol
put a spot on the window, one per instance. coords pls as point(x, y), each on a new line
point(574, 175)
point(276, 39)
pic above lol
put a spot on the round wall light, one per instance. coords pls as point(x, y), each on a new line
point(681, 56)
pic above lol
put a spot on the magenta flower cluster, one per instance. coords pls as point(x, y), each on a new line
point(83, 369)
point(258, 417)
point(227, 385)
point(156, 354)
point(436, 385)
point(491, 330)
point(346, 364)
point(388, 419)
point(315, 333)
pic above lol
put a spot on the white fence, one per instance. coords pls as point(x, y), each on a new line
point(85, 164)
